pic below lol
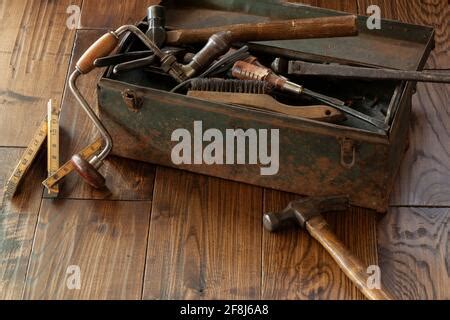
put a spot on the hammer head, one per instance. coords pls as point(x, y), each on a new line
point(300, 211)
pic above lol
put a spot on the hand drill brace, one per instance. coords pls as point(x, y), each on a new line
point(217, 45)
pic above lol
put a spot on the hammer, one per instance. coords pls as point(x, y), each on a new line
point(323, 27)
point(156, 17)
point(308, 214)
point(217, 44)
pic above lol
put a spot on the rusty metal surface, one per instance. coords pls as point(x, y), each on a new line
point(310, 157)
point(301, 68)
point(397, 45)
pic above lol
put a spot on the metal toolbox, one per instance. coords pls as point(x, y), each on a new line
point(315, 158)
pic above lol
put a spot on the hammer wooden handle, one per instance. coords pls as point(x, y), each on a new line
point(325, 27)
point(352, 266)
point(101, 48)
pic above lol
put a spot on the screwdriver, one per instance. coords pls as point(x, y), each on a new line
point(246, 71)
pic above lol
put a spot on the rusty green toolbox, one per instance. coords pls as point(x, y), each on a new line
point(315, 158)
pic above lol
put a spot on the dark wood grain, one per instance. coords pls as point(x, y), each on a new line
point(295, 266)
point(413, 242)
point(105, 239)
point(35, 46)
point(355, 269)
point(414, 249)
point(424, 177)
point(205, 239)
point(387, 7)
point(126, 179)
point(346, 5)
point(205, 235)
point(18, 220)
point(110, 14)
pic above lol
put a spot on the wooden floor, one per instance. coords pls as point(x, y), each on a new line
point(166, 234)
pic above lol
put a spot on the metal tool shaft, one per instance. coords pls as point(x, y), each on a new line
point(91, 114)
point(341, 71)
point(100, 49)
point(245, 71)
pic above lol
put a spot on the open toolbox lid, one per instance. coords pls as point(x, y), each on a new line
point(396, 45)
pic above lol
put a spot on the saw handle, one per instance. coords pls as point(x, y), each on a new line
point(99, 49)
point(351, 265)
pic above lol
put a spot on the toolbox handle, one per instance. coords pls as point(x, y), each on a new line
point(99, 49)
point(348, 153)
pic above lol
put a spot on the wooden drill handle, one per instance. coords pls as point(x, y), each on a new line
point(347, 261)
point(326, 27)
point(88, 172)
point(99, 49)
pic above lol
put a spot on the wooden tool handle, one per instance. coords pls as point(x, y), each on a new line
point(88, 172)
point(101, 48)
point(263, 101)
point(325, 27)
point(349, 263)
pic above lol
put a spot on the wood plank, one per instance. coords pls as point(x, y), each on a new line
point(346, 5)
point(424, 177)
point(105, 239)
point(18, 220)
point(296, 267)
point(205, 239)
point(387, 7)
point(430, 13)
point(126, 179)
point(413, 242)
point(111, 14)
point(415, 253)
point(35, 48)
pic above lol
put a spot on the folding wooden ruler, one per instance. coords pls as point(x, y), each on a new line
point(52, 145)
point(48, 130)
point(68, 167)
point(25, 161)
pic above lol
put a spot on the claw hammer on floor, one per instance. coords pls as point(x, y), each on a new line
point(308, 214)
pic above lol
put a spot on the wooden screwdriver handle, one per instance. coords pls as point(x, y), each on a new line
point(326, 27)
point(99, 49)
point(347, 261)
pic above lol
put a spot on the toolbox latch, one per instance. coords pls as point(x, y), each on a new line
point(348, 153)
point(132, 100)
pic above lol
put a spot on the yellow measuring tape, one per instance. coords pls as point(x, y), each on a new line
point(68, 167)
point(26, 160)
